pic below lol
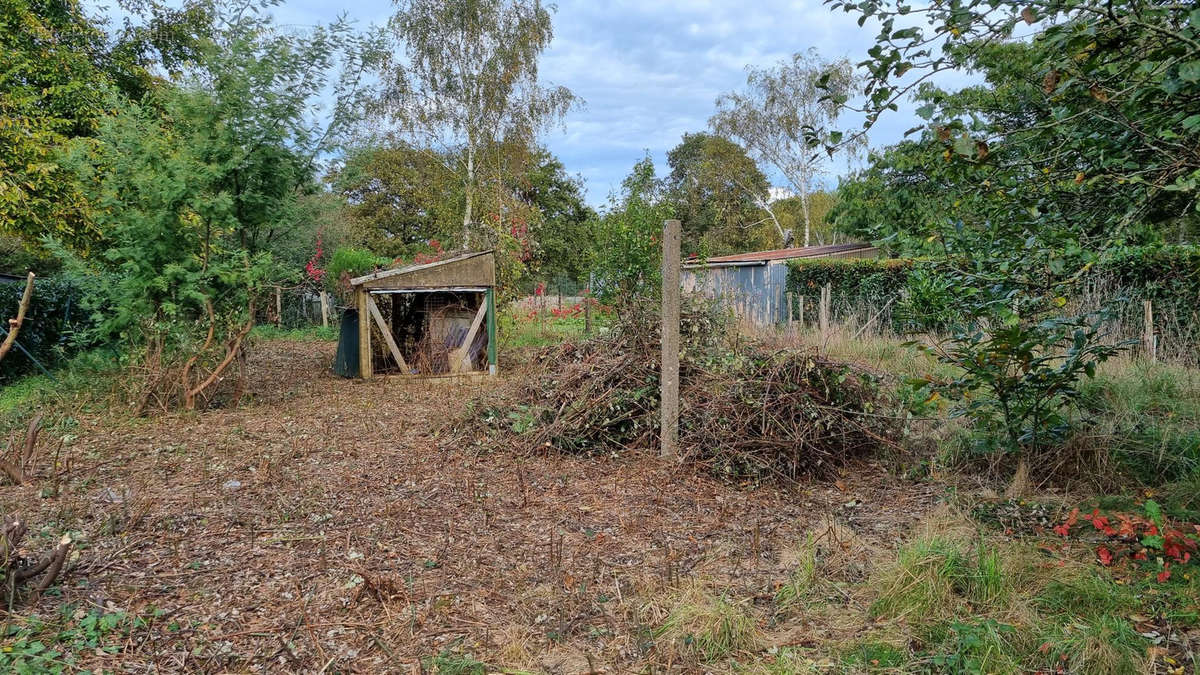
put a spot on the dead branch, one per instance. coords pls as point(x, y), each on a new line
point(18, 569)
point(231, 352)
point(14, 325)
point(212, 329)
point(18, 465)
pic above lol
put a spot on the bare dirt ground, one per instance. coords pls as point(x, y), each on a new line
point(335, 525)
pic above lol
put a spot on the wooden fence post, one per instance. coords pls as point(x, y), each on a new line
point(791, 317)
point(801, 322)
point(278, 306)
point(823, 311)
point(587, 315)
point(324, 309)
point(1149, 341)
point(670, 341)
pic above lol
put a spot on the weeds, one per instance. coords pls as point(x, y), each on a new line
point(708, 627)
point(35, 646)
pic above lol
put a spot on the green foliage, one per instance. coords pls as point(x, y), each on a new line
point(628, 263)
point(35, 646)
point(310, 334)
point(977, 647)
point(861, 278)
point(348, 263)
point(1079, 139)
point(400, 197)
point(719, 195)
point(563, 234)
point(449, 662)
point(49, 94)
point(55, 325)
point(1018, 379)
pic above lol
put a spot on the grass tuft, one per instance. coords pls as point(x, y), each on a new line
point(708, 627)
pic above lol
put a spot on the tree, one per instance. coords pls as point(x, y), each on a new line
point(627, 261)
point(563, 233)
point(784, 114)
point(470, 82)
point(1091, 132)
point(48, 95)
point(821, 203)
point(55, 65)
point(906, 186)
point(195, 184)
point(721, 197)
point(399, 197)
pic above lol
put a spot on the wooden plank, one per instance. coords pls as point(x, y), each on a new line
point(364, 336)
point(387, 334)
point(460, 354)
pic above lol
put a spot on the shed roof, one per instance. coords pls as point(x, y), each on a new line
point(468, 269)
point(791, 253)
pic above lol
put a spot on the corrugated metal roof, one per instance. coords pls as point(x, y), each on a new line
point(789, 253)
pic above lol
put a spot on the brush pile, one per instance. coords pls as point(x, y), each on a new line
point(747, 412)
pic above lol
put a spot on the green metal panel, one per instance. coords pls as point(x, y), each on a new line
point(491, 330)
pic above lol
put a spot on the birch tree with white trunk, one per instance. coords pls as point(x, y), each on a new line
point(779, 115)
point(464, 78)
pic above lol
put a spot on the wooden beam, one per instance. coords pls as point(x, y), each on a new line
point(387, 334)
point(460, 354)
point(490, 300)
point(364, 336)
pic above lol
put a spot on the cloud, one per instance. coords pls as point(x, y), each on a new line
point(651, 71)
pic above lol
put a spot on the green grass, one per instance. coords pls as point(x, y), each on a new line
point(451, 663)
point(306, 334)
point(85, 381)
point(980, 607)
point(517, 330)
point(800, 581)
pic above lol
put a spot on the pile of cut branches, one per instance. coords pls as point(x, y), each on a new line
point(747, 412)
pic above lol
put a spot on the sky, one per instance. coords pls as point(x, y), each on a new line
point(650, 70)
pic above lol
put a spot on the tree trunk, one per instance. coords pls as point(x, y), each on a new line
point(804, 210)
point(470, 195)
point(14, 325)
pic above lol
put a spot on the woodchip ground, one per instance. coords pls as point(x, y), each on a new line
point(338, 525)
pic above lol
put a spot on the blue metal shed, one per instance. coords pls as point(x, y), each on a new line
point(754, 285)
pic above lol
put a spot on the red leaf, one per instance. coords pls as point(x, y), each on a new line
point(1105, 555)
point(1165, 574)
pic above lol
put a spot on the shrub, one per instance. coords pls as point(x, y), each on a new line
point(347, 263)
point(55, 325)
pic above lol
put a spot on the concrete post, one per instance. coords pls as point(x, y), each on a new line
point(670, 340)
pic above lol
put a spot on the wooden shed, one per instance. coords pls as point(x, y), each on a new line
point(431, 320)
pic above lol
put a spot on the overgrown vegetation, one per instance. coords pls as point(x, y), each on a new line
point(747, 412)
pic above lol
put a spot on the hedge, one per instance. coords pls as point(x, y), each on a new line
point(1169, 275)
point(54, 319)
